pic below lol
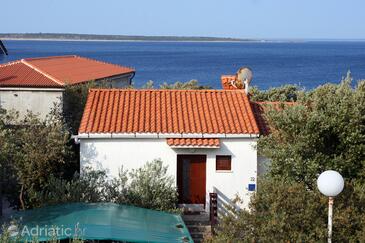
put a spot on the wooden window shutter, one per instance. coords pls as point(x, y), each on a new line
point(223, 162)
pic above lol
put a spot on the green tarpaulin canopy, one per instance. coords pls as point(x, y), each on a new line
point(102, 221)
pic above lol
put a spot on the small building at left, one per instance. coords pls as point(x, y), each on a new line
point(36, 84)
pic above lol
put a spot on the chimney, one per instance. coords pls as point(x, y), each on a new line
point(227, 81)
point(239, 81)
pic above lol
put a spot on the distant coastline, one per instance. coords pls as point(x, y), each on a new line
point(91, 37)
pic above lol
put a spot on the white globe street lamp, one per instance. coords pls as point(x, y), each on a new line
point(330, 183)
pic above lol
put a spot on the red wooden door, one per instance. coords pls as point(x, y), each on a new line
point(197, 181)
point(191, 178)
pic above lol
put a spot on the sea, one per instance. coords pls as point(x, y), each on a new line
point(274, 63)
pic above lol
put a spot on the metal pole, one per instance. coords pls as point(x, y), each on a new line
point(330, 214)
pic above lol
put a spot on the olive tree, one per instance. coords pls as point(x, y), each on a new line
point(325, 129)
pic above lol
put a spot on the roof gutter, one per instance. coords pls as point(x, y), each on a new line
point(16, 88)
point(162, 135)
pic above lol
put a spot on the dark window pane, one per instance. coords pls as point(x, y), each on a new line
point(223, 162)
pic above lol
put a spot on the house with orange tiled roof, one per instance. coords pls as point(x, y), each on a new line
point(206, 137)
point(35, 84)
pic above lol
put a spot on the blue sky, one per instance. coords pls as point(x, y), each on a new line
point(333, 19)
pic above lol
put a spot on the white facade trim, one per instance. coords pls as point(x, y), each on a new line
point(123, 135)
point(170, 135)
point(164, 135)
point(31, 89)
point(192, 135)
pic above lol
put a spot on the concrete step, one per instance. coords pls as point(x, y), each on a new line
point(199, 228)
point(195, 223)
point(198, 240)
point(204, 217)
point(197, 236)
point(198, 225)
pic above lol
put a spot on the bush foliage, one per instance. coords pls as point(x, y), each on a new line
point(31, 150)
point(283, 211)
point(325, 129)
point(74, 100)
point(192, 84)
point(286, 93)
point(147, 187)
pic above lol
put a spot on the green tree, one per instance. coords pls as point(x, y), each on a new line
point(192, 84)
point(286, 93)
point(283, 211)
point(36, 148)
point(74, 100)
point(7, 147)
point(324, 130)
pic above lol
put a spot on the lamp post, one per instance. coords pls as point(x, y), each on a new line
point(330, 183)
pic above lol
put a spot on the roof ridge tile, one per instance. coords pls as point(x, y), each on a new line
point(42, 72)
point(48, 57)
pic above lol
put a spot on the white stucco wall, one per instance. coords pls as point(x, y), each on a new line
point(39, 101)
point(111, 154)
point(120, 81)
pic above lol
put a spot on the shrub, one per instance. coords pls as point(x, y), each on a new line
point(288, 212)
point(283, 93)
point(33, 150)
point(151, 187)
point(74, 100)
point(147, 187)
point(324, 130)
point(192, 84)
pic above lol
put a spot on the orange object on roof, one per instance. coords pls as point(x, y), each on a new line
point(57, 71)
point(227, 80)
point(168, 112)
point(193, 142)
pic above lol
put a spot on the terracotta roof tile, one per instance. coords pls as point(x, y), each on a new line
point(17, 74)
point(193, 142)
point(168, 111)
point(56, 71)
point(259, 109)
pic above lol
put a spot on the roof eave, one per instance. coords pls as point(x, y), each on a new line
point(193, 146)
point(164, 135)
point(31, 88)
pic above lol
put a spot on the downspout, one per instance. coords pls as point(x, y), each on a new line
point(130, 80)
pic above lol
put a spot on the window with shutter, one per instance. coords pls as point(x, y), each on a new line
point(223, 162)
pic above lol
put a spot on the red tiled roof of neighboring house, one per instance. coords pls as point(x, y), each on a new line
point(193, 142)
point(56, 71)
point(18, 74)
point(168, 111)
point(259, 109)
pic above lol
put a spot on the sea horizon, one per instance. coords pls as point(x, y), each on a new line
point(94, 37)
point(306, 64)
